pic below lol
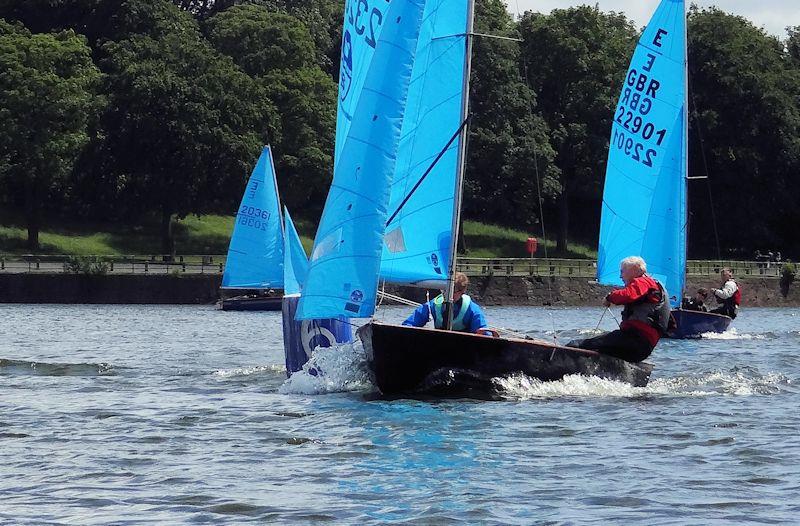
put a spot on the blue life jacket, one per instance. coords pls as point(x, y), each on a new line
point(458, 320)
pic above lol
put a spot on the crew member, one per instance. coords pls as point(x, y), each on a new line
point(729, 296)
point(645, 318)
point(467, 315)
point(698, 302)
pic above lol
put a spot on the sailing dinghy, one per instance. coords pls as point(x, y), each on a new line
point(645, 210)
point(254, 266)
point(393, 209)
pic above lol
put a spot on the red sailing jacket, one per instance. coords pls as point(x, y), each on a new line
point(639, 289)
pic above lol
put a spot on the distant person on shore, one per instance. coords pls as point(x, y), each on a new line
point(698, 302)
point(467, 315)
point(729, 296)
point(645, 318)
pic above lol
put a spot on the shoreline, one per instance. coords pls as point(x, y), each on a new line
point(203, 289)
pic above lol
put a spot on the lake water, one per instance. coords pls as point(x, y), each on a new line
point(177, 414)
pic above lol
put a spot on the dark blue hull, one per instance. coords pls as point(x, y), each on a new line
point(691, 324)
point(249, 303)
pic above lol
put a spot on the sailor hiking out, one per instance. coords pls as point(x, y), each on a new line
point(645, 317)
point(467, 315)
point(729, 296)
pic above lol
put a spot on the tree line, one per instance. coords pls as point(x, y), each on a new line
point(124, 110)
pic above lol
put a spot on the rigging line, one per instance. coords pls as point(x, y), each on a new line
point(705, 167)
point(541, 208)
point(430, 168)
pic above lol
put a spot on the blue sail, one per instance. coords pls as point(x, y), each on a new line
point(644, 198)
point(363, 23)
point(417, 242)
point(295, 260)
point(343, 276)
point(301, 337)
point(255, 253)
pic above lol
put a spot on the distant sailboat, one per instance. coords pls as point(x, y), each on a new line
point(255, 255)
point(645, 194)
point(394, 205)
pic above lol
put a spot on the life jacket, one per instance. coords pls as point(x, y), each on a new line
point(737, 296)
point(458, 320)
point(653, 308)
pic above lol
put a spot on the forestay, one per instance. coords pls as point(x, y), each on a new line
point(417, 241)
point(343, 276)
point(255, 253)
point(644, 199)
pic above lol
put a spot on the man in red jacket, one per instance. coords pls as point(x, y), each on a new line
point(645, 317)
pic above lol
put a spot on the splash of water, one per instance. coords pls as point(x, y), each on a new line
point(717, 383)
point(732, 334)
point(250, 371)
point(337, 369)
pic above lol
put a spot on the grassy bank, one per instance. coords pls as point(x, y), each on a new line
point(210, 234)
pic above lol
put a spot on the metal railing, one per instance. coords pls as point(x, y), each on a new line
point(215, 264)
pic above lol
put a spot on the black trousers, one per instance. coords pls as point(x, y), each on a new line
point(628, 345)
point(726, 310)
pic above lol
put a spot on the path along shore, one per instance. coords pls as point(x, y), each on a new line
point(204, 289)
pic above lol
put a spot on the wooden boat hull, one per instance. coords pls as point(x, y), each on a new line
point(250, 303)
point(691, 324)
point(407, 360)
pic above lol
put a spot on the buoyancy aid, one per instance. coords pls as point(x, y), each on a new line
point(458, 320)
point(737, 296)
point(653, 308)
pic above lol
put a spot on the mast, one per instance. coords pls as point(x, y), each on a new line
point(685, 160)
point(462, 161)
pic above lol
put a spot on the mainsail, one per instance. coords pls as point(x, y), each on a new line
point(644, 198)
point(417, 242)
point(345, 261)
point(255, 253)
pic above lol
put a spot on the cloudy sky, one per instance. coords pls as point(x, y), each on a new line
point(773, 15)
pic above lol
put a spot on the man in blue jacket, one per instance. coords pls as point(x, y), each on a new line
point(467, 315)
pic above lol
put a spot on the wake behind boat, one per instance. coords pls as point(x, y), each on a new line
point(413, 361)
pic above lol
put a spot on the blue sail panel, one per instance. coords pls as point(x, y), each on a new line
point(343, 276)
point(295, 260)
point(255, 253)
point(644, 198)
point(363, 22)
point(417, 241)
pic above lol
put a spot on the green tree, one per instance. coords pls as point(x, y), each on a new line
point(748, 114)
point(509, 148)
point(185, 124)
point(47, 97)
point(576, 59)
point(277, 50)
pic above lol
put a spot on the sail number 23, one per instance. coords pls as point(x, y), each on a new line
point(365, 21)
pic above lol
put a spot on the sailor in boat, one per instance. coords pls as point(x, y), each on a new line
point(467, 315)
point(729, 296)
point(645, 318)
point(697, 303)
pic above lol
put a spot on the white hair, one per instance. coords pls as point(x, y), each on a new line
point(634, 262)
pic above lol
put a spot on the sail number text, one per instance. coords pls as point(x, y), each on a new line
point(633, 149)
point(254, 217)
point(365, 21)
